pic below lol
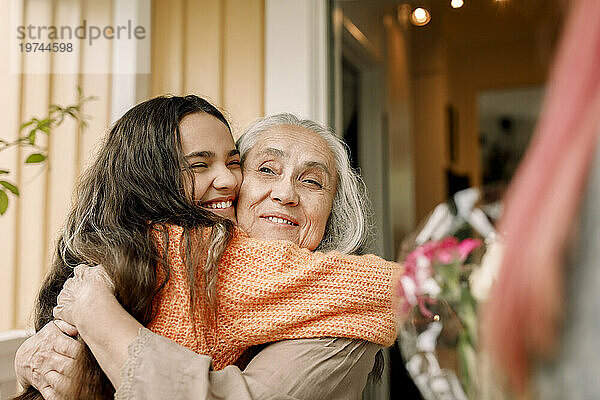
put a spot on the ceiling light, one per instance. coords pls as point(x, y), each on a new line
point(420, 16)
point(457, 3)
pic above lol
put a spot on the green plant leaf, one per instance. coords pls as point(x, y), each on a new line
point(44, 125)
point(26, 124)
point(4, 171)
point(3, 202)
point(35, 158)
point(14, 190)
point(31, 137)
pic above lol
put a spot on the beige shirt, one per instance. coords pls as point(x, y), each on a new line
point(321, 368)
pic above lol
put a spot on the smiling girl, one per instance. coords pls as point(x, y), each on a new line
point(211, 156)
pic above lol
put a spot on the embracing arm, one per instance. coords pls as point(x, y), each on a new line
point(323, 368)
point(275, 290)
point(148, 366)
point(48, 360)
point(88, 303)
point(108, 331)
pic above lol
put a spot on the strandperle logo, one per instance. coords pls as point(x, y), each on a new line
point(112, 37)
point(90, 33)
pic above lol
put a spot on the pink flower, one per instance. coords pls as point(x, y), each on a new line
point(417, 286)
point(466, 247)
point(447, 250)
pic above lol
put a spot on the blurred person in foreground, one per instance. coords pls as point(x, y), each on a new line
point(539, 325)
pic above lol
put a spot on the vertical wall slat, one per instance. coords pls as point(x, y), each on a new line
point(63, 143)
point(48, 141)
point(130, 57)
point(9, 103)
point(97, 85)
point(167, 47)
point(30, 221)
point(243, 61)
point(203, 49)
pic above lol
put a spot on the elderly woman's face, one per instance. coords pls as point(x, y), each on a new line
point(288, 188)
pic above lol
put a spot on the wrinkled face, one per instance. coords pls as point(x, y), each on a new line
point(289, 184)
point(214, 161)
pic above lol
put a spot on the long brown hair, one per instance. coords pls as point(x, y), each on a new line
point(134, 187)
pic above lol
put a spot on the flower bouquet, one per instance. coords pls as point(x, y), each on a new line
point(438, 294)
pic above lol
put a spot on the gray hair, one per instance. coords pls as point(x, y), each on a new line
point(347, 227)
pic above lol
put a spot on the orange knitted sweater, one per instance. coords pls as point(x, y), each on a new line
point(273, 290)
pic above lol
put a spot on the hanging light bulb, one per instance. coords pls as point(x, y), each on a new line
point(457, 3)
point(420, 16)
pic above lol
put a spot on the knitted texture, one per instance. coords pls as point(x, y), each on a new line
point(273, 290)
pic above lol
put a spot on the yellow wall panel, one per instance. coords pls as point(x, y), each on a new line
point(213, 48)
point(97, 85)
point(63, 145)
point(167, 47)
point(9, 103)
point(31, 222)
point(243, 61)
point(203, 50)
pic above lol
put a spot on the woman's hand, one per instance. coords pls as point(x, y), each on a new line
point(81, 292)
point(47, 360)
point(88, 302)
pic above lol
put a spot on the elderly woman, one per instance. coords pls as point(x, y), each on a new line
point(299, 187)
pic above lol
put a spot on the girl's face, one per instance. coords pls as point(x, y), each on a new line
point(214, 161)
